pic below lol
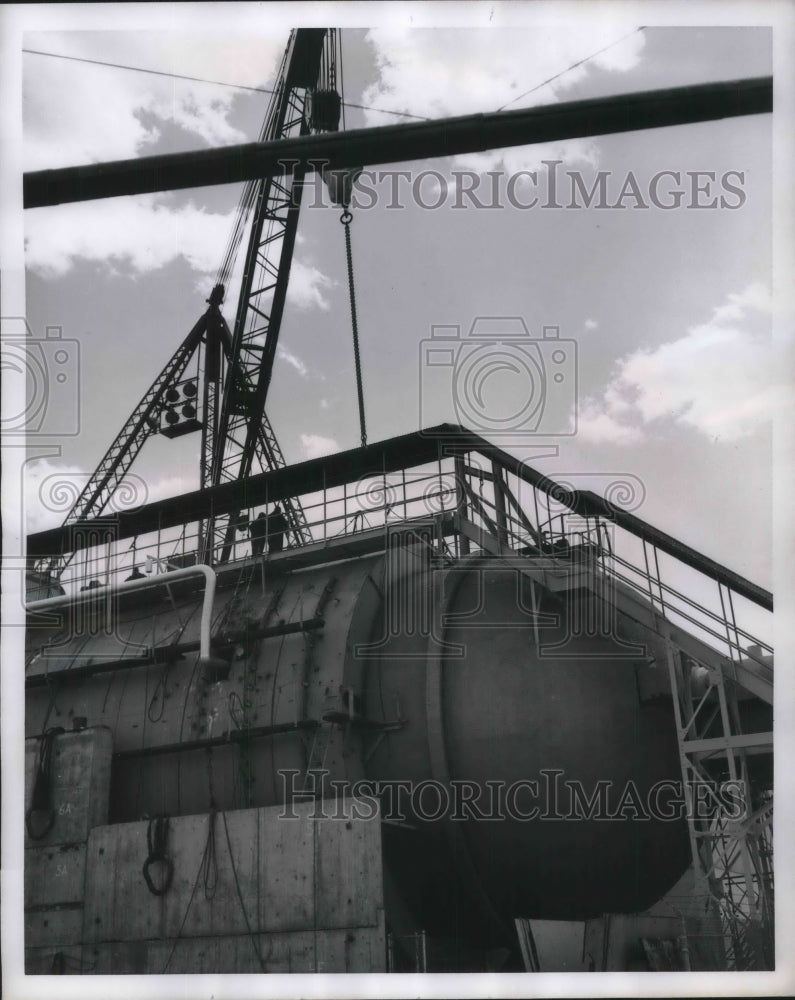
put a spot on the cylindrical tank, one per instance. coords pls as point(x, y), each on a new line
point(530, 698)
point(479, 674)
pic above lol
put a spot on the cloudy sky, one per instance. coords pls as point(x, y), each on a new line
point(666, 309)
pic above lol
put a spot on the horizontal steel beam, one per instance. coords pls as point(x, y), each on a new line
point(719, 745)
point(162, 655)
point(400, 143)
point(208, 743)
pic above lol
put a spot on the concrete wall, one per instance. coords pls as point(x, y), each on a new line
point(283, 895)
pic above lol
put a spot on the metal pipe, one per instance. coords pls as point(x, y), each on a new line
point(396, 143)
point(164, 654)
point(171, 576)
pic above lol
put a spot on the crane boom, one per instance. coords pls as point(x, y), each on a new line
point(234, 368)
point(243, 444)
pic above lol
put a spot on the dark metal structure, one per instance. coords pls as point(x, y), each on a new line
point(237, 438)
point(339, 660)
point(226, 396)
point(398, 143)
point(336, 660)
point(405, 451)
point(242, 440)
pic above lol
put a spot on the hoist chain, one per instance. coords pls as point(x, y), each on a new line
point(346, 219)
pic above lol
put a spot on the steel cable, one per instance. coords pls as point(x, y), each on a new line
point(251, 934)
point(346, 219)
point(41, 799)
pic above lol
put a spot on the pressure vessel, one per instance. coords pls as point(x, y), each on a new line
point(537, 778)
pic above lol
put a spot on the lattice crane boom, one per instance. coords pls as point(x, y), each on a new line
point(236, 434)
point(144, 421)
point(245, 442)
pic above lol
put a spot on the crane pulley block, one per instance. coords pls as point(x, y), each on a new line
point(324, 111)
point(340, 184)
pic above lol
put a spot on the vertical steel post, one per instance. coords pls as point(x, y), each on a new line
point(499, 505)
point(461, 503)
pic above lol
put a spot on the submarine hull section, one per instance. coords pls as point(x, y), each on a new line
point(487, 684)
point(527, 706)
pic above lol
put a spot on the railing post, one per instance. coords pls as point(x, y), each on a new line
point(461, 503)
point(499, 504)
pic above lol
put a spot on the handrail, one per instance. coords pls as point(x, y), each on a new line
point(49, 603)
point(586, 503)
point(696, 606)
point(404, 452)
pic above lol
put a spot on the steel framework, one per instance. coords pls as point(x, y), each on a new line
point(234, 369)
point(731, 835)
point(245, 442)
point(731, 849)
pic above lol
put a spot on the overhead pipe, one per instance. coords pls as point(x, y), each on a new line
point(171, 576)
point(398, 143)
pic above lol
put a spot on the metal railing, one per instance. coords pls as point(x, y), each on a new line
point(479, 486)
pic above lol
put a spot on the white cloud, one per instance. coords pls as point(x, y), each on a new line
point(755, 296)
point(307, 285)
point(51, 489)
point(138, 235)
point(437, 73)
point(134, 234)
point(293, 361)
point(718, 379)
point(75, 112)
point(591, 324)
point(171, 486)
point(315, 445)
point(598, 425)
